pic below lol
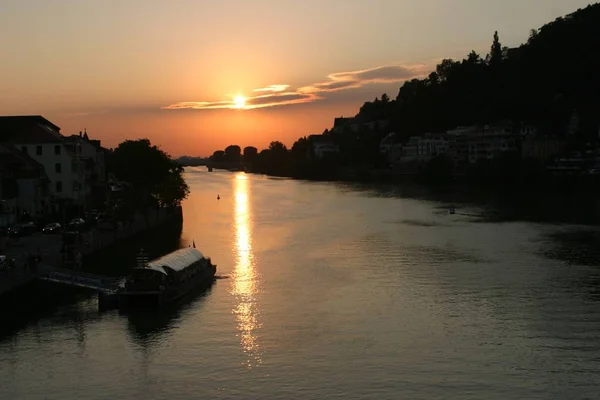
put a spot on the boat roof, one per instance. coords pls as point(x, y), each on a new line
point(176, 261)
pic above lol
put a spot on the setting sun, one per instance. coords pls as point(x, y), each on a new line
point(239, 102)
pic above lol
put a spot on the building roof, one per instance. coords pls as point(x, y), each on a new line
point(9, 156)
point(84, 138)
point(8, 151)
point(176, 261)
point(341, 121)
point(28, 129)
point(319, 139)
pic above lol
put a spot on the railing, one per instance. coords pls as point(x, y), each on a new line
point(48, 249)
point(80, 279)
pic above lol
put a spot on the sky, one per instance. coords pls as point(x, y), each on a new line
point(195, 76)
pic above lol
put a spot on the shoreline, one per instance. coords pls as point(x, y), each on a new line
point(92, 246)
point(543, 184)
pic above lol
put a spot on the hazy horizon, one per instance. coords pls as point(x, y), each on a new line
point(175, 72)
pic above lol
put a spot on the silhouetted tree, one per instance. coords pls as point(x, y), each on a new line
point(495, 51)
point(233, 153)
point(540, 82)
point(277, 148)
point(250, 154)
point(301, 148)
point(153, 177)
point(218, 156)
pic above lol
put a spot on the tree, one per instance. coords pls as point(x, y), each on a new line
point(445, 68)
point(520, 85)
point(233, 153)
point(495, 51)
point(218, 156)
point(385, 98)
point(301, 149)
point(277, 147)
point(473, 57)
point(250, 154)
point(152, 176)
point(532, 35)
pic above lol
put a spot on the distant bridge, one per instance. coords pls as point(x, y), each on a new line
point(80, 279)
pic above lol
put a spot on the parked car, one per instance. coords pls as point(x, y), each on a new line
point(53, 227)
point(77, 225)
point(6, 262)
point(25, 229)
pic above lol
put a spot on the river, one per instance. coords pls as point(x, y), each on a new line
point(336, 290)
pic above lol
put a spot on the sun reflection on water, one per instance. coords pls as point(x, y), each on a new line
point(244, 280)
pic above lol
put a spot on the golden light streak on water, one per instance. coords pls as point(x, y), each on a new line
point(244, 278)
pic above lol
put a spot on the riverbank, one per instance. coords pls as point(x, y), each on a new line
point(511, 180)
point(52, 251)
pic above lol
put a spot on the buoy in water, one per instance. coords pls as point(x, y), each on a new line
point(218, 197)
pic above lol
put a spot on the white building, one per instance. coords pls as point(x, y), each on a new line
point(387, 142)
point(490, 141)
point(474, 143)
point(41, 140)
point(92, 155)
point(424, 148)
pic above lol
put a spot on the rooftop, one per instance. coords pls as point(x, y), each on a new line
point(10, 156)
point(28, 129)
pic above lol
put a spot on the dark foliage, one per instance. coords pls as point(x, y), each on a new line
point(541, 82)
point(153, 178)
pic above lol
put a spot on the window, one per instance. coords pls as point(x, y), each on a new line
point(38, 150)
point(57, 168)
point(24, 149)
point(57, 149)
point(58, 187)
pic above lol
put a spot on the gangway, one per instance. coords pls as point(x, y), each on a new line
point(71, 277)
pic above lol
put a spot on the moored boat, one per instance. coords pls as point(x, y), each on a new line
point(165, 279)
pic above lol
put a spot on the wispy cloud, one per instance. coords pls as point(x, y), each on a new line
point(279, 95)
point(84, 113)
point(356, 79)
point(273, 88)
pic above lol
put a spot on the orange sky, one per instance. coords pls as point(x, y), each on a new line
point(170, 71)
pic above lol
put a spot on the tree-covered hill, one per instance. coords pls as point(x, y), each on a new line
point(542, 82)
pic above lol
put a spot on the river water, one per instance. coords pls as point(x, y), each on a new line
point(337, 290)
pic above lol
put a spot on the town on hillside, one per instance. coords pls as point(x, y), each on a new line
point(523, 114)
point(457, 152)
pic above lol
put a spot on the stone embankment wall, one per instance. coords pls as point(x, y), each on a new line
point(48, 247)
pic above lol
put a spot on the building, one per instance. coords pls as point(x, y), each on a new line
point(92, 156)
point(322, 146)
point(41, 140)
point(23, 186)
point(474, 143)
point(573, 125)
point(491, 141)
point(394, 155)
point(376, 125)
point(341, 123)
point(458, 139)
point(387, 142)
point(422, 149)
point(541, 148)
